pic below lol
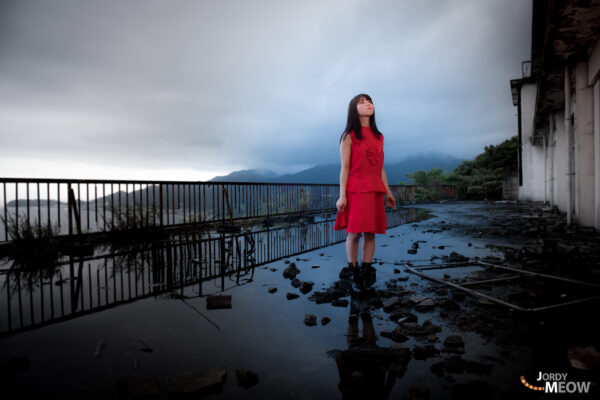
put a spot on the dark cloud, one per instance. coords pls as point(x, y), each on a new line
point(216, 86)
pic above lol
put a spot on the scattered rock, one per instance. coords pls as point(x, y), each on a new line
point(586, 358)
point(415, 245)
point(306, 287)
point(454, 344)
point(246, 378)
point(291, 271)
point(272, 290)
point(424, 352)
point(310, 320)
point(316, 266)
point(397, 335)
point(296, 282)
point(411, 251)
point(325, 320)
point(340, 303)
point(137, 387)
point(292, 296)
point(450, 305)
point(417, 392)
point(200, 383)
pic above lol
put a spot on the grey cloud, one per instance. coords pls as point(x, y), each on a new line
point(253, 84)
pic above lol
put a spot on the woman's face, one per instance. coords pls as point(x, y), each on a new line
point(365, 107)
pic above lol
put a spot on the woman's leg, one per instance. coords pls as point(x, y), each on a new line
point(352, 247)
point(368, 247)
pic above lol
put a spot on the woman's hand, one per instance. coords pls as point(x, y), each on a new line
point(341, 203)
point(390, 201)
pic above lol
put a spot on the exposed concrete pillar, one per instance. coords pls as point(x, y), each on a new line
point(569, 144)
point(551, 155)
point(584, 132)
point(546, 163)
point(597, 154)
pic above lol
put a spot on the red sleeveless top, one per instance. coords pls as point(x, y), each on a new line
point(366, 162)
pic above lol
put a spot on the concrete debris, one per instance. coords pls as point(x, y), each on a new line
point(339, 303)
point(292, 296)
point(306, 287)
point(199, 383)
point(586, 358)
point(417, 392)
point(291, 271)
point(137, 387)
point(310, 320)
point(246, 378)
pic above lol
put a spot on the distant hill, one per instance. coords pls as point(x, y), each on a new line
point(330, 173)
point(247, 175)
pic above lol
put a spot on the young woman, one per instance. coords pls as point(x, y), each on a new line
point(363, 184)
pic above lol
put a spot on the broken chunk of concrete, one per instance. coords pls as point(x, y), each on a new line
point(417, 392)
point(424, 352)
point(586, 358)
point(292, 296)
point(310, 320)
point(198, 383)
point(137, 387)
point(291, 271)
point(339, 303)
point(215, 301)
point(306, 287)
point(246, 378)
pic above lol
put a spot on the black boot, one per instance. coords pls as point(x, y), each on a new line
point(357, 278)
point(368, 273)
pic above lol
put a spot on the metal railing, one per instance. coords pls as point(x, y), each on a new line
point(73, 206)
point(187, 265)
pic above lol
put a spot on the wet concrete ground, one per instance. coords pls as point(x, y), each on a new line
point(364, 350)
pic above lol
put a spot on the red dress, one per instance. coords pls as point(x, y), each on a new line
point(365, 191)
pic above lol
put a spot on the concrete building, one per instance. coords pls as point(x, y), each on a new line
point(558, 101)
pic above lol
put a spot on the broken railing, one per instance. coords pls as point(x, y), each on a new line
point(71, 206)
point(517, 274)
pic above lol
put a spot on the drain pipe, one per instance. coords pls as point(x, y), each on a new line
point(568, 128)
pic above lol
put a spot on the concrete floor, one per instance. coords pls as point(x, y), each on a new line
point(264, 332)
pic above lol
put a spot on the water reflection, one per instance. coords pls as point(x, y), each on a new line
point(184, 265)
point(365, 369)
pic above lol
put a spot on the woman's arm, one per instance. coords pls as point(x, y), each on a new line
point(345, 151)
point(390, 201)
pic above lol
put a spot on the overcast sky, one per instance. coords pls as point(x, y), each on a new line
point(186, 90)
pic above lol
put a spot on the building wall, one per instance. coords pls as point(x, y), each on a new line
point(560, 167)
point(532, 155)
point(584, 148)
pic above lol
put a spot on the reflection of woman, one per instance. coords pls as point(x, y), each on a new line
point(362, 375)
point(363, 184)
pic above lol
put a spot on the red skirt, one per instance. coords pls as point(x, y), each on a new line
point(364, 212)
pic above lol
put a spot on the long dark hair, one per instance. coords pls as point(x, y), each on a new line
point(353, 123)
